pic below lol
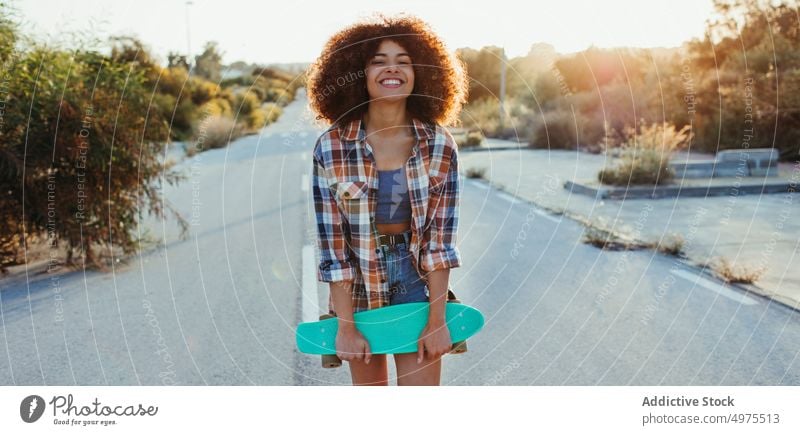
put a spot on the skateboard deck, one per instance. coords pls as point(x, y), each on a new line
point(389, 330)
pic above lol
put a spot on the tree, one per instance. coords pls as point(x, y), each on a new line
point(177, 60)
point(749, 67)
point(209, 63)
point(81, 151)
point(596, 67)
point(483, 68)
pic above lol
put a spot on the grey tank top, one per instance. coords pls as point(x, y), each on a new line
point(394, 202)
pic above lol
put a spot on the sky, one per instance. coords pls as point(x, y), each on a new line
point(296, 30)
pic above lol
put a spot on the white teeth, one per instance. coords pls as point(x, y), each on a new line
point(390, 82)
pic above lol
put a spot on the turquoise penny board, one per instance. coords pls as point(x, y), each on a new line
point(392, 329)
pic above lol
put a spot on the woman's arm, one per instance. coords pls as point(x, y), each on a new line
point(336, 265)
point(350, 344)
point(335, 262)
point(435, 337)
point(341, 292)
point(439, 255)
point(440, 251)
point(437, 285)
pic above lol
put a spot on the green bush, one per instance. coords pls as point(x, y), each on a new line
point(202, 90)
point(84, 133)
point(89, 177)
point(268, 85)
point(256, 120)
point(272, 111)
point(180, 116)
point(262, 116)
point(218, 107)
point(245, 103)
point(173, 81)
point(554, 130)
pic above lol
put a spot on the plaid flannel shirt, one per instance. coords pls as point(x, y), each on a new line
point(345, 188)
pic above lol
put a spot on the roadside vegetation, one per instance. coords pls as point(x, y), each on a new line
point(745, 73)
point(83, 134)
point(644, 155)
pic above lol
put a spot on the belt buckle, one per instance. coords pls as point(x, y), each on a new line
point(389, 239)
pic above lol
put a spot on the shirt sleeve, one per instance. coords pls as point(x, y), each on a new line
point(439, 250)
point(336, 261)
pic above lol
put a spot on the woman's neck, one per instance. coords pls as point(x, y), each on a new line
point(387, 118)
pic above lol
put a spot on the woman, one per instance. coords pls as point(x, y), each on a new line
point(386, 185)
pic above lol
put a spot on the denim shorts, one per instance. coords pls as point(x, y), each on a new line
point(405, 284)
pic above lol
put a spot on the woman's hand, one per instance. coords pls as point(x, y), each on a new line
point(435, 340)
point(351, 345)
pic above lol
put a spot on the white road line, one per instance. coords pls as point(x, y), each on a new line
point(304, 183)
point(711, 285)
point(310, 297)
point(508, 197)
point(479, 185)
point(548, 216)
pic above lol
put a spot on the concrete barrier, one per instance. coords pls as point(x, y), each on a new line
point(751, 162)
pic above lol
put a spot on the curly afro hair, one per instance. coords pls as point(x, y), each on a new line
point(337, 79)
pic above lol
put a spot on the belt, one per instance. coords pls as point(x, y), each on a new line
point(393, 239)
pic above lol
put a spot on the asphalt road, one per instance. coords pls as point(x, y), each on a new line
point(220, 307)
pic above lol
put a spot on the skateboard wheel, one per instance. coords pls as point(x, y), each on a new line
point(331, 361)
point(459, 347)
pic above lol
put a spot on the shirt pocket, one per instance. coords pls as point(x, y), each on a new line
point(353, 199)
point(347, 190)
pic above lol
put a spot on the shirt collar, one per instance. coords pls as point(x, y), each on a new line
point(354, 130)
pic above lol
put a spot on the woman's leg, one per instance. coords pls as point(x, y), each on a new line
point(412, 288)
point(429, 372)
point(375, 373)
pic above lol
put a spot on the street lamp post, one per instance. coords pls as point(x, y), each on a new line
point(502, 87)
point(188, 38)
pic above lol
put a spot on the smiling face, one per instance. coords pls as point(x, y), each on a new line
point(390, 76)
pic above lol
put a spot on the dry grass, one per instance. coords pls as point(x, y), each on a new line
point(670, 245)
point(216, 132)
point(600, 236)
point(732, 273)
point(645, 155)
point(476, 173)
point(466, 138)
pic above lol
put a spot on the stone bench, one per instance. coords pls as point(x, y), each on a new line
point(752, 162)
